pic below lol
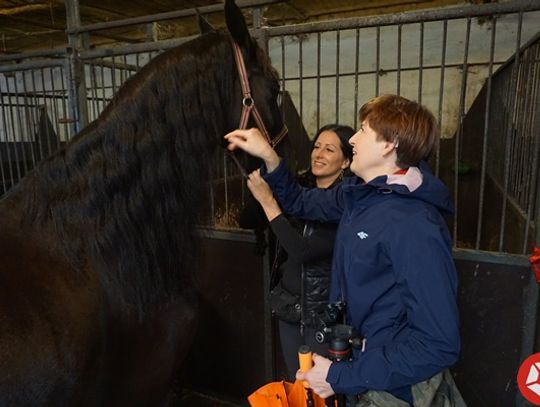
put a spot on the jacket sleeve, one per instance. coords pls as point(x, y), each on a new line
point(420, 251)
point(325, 205)
point(318, 245)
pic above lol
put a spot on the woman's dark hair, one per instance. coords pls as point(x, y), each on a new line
point(343, 132)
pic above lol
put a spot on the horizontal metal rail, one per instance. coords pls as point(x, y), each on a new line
point(24, 66)
point(491, 257)
point(407, 17)
point(171, 15)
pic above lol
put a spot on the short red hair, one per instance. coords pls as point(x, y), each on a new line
point(408, 124)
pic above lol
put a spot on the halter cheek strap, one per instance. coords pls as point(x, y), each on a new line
point(248, 104)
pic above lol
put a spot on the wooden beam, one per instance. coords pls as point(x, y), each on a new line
point(10, 11)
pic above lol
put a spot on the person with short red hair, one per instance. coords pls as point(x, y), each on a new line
point(392, 262)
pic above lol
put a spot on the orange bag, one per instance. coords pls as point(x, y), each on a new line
point(283, 394)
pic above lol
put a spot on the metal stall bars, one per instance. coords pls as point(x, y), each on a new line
point(476, 68)
point(34, 112)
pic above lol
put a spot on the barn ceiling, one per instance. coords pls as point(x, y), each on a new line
point(40, 24)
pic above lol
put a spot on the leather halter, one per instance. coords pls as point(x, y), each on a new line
point(248, 104)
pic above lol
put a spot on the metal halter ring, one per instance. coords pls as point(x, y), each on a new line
point(248, 101)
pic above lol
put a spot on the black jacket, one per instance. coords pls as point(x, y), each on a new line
point(306, 270)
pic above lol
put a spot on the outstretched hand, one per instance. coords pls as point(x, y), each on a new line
point(254, 143)
point(316, 376)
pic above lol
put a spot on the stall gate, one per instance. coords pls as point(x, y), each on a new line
point(476, 67)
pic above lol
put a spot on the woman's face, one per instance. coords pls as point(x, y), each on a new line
point(327, 159)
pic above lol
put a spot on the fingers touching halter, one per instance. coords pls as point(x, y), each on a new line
point(248, 104)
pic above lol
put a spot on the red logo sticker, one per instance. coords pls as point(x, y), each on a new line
point(528, 379)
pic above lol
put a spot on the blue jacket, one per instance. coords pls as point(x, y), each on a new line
point(393, 266)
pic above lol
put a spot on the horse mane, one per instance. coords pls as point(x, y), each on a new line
point(124, 194)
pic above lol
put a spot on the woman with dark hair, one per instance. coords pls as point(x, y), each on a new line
point(302, 292)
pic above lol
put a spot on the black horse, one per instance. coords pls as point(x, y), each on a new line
point(97, 297)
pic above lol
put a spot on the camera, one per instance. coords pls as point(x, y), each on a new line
point(339, 336)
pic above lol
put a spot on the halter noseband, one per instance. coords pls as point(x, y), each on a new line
point(248, 104)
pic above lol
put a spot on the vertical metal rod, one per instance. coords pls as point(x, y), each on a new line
point(77, 82)
point(487, 118)
point(533, 134)
point(459, 132)
point(521, 139)
point(338, 44)
point(55, 107)
point(113, 76)
point(65, 113)
point(301, 75)
point(356, 66)
point(30, 120)
point(399, 60)
point(44, 92)
point(6, 143)
point(21, 137)
point(441, 95)
point(93, 90)
point(318, 80)
point(38, 121)
point(103, 91)
point(122, 70)
point(421, 62)
point(14, 144)
point(283, 63)
point(378, 61)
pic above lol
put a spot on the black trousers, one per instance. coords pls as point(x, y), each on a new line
point(291, 340)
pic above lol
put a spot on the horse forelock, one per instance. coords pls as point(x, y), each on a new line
point(124, 195)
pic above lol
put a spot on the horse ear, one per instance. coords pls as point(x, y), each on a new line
point(236, 24)
point(204, 25)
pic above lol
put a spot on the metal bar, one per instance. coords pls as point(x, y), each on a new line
point(22, 126)
point(487, 118)
point(373, 71)
point(45, 106)
point(38, 121)
point(93, 89)
point(441, 96)
point(420, 62)
point(508, 259)
point(301, 82)
point(318, 81)
point(59, 52)
point(30, 65)
point(8, 152)
point(30, 119)
point(338, 41)
point(356, 67)
point(64, 103)
point(77, 83)
point(377, 61)
point(460, 128)
point(400, 26)
point(449, 13)
point(15, 149)
point(113, 76)
point(283, 63)
point(171, 15)
point(103, 95)
point(55, 109)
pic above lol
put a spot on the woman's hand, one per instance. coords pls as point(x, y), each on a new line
point(254, 143)
point(263, 194)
